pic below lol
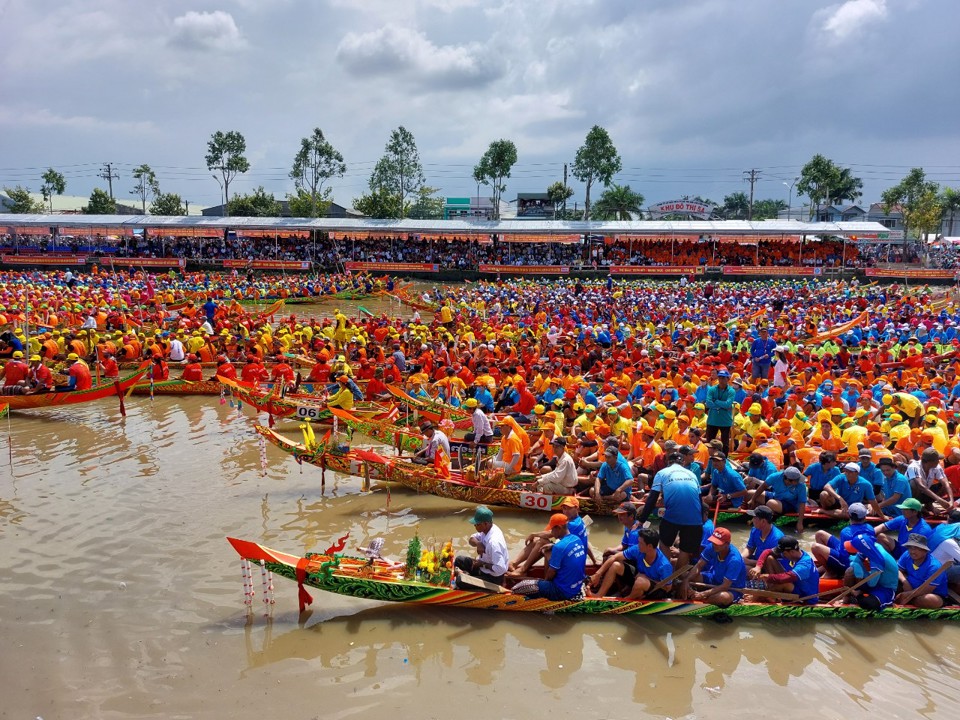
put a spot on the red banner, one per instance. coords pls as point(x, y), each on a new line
point(44, 260)
point(791, 271)
point(145, 262)
point(391, 267)
point(268, 264)
point(910, 273)
point(656, 270)
point(526, 269)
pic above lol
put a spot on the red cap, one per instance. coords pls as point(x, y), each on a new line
point(721, 536)
point(555, 520)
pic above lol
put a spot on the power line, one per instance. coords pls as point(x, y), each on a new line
point(752, 176)
point(109, 175)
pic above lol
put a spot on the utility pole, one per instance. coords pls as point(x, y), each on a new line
point(107, 173)
point(752, 176)
point(564, 191)
point(187, 204)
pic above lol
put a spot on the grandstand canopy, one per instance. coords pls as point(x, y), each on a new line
point(866, 230)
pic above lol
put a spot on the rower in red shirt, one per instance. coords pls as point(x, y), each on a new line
point(159, 370)
point(253, 372)
point(193, 370)
point(225, 368)
point(320, 373)
point(108, 365)
point(15, 371)
point(41, 379)
point(79, 374)
point(282, 372)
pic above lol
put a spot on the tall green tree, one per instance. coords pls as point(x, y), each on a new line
point(100, 203)
point(399, 171)
point(816, 180)
point(845, 187)
point(147, 185)
point(21, 202)
point(950, 202)
point(619, 202)
point(226, 155)
point(736, 206)
point(428, 204)
point(558, 194)
point(167, 204)
point(767, 209)
point(53, 184)
point(597, 160)
point(379, 203)
point(303, 204)
point(259, 203)
point(912, 195)
point(316, 162)
point(494, 167)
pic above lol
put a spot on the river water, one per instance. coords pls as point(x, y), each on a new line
point(121, 599)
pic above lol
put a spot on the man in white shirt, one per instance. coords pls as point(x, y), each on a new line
point(177, 353)
point(563, 480)
point(435, 439)
point(492, 559)
point(928, 482)
point(482, 430)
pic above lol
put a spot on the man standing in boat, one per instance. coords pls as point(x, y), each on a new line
point(492, 558)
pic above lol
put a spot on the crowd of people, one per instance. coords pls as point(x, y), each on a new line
point(467, 253)
point(808, 400)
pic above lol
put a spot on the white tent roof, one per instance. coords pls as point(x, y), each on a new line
point(451, 227)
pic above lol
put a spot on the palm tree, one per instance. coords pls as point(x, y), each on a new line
point(618, 202)
point(845, 187)
point(736, 206)
point(950, 202)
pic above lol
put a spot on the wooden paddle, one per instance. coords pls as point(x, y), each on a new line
point(475, 582)
point(669, 579)
point(771, 594)
point(927, 583)
point(847, 591)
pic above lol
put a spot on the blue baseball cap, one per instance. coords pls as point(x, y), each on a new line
point(723, 373)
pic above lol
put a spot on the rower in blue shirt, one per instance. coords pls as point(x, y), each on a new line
point(722, 569)
point(893, 533)
point(830, 551)
point(787, 568)
point(725, 482)
point(784, 493)
point(842, 492)
point(868, 558)
point(763, 535)
point(917, 566)
point(822, 472)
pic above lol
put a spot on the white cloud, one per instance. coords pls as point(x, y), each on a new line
point(843, 21)
point(207, 31)
point(409, 54)
point(44, 118)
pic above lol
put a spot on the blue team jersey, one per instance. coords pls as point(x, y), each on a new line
point(708, 528)
point(818, 477)
point(860, 492)
point(899, 525)
point(659, 569)
point(917, 575)
point(728, 481)
point(569, 559)
point(612, 478)
point(578, 528)
point(680, 490)
point(629, 538)
point(942, 533)
point(796, 494)
point(764, 471)
point(896, 484)
point(808, 579)
point(756, 544)
point(731, 567)
point(872, 474)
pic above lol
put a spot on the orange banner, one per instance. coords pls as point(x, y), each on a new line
point(656, 270)
point(911, 273)
point(772, 270)
point(268, 264)
point(526, 269)
point(838, 329)
point(44, 260)
point(391, 266)
point(145, 262)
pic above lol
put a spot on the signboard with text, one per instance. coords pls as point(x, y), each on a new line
point(268, 264)
point(526, 269)
point(44, 260)
point(656, 270)
point(772, 270)
point(391, 266)
point(911, 273)
point(147, 262)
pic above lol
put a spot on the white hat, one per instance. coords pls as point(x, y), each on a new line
point(852, 467)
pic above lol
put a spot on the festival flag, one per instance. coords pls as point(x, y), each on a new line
point(441, 463)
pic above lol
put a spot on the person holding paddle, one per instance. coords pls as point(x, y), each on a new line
point(924, 582)
point(787, 569)
point(873, 564)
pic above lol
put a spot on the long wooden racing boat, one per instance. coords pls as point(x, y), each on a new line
point(403, 439)
point(74, 397)
point(312, 408)
point(376, 579)
point(178, 386)
point(435, 410)
point(519, 491)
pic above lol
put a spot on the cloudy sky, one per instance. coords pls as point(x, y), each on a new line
point(693, 92)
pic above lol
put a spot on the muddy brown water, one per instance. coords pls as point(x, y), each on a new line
point(120, 598)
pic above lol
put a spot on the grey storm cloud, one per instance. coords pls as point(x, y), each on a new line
point(408, 54)
point(692, 92)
